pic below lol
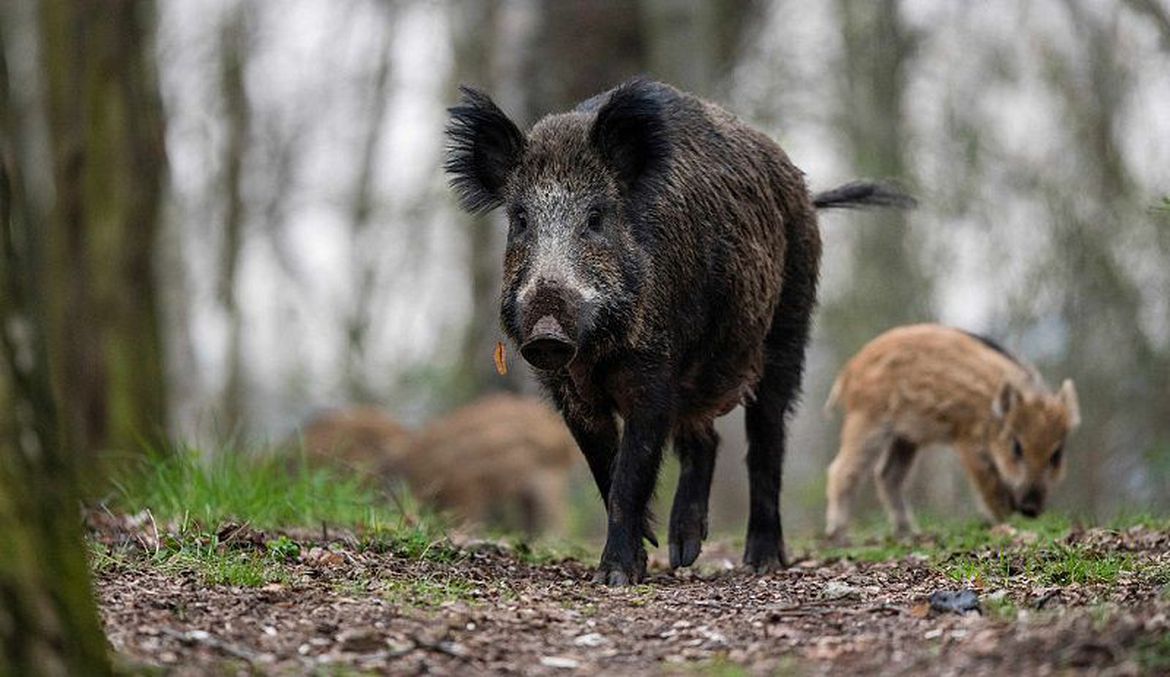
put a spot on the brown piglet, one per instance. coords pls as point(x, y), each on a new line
point(503, 460)
point(928, 385)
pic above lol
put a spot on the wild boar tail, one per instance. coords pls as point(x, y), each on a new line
point(834, 396)
point(863, 194)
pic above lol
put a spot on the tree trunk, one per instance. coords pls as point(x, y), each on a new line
point(48, 623)
point(235, 37)
point(887, 286)
point(105, 123)
point(364, 257)
point(694, 44)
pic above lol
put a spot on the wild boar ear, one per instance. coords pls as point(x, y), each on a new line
point(630, 132)
point(483, 148)
point(1068, 397)
point(1004, 401)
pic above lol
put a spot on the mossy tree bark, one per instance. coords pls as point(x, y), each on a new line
point(105, 124)
point(48, 622)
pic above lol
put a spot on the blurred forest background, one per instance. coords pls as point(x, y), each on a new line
point(223, 216)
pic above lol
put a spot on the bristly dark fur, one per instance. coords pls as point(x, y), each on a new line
point(630, 132)
point(483, 147)
point(862, 194)
point(676, 251)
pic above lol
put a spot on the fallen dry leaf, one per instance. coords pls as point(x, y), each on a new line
point(501, 356)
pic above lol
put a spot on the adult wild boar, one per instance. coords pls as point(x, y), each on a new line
point(927, 385)
point(661, 267)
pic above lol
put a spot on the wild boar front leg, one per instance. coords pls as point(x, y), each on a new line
point(996, 497)
point(695, 446)
point(597, 437)
point(635, 472)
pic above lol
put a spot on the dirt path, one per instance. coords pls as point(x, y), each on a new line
point(482, 608)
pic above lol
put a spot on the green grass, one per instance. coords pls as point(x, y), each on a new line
point(1035, 552)
point(264, 490)
point(193, 549)
point(430, 591)
point(719, 666)
point(1000, 607)
point(191, 495)
point(1057, 565)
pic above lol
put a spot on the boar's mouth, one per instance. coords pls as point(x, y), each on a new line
point(548, 346)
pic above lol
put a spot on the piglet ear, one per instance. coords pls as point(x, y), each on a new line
point(630, 132)
point(1005, 400)
point(483, 148)
point(1068, 397)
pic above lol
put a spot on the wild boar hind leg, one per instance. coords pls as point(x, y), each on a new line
point(890, 475)
point(766, 419)
point(695, 445)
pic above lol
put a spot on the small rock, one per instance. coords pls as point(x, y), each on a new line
point(592, 639)
point(452, 648)
point(960, 601)
point(360, 641)
point(838, 590)
point(560, 662)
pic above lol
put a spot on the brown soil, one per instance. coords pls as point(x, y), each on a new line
point(346, 609)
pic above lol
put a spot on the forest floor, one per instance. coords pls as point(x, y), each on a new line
point(233, 599)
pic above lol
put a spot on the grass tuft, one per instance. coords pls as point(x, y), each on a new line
point(263, 489)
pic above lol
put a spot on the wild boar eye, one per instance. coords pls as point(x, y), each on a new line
point(519, 219)
point(1056, 455)
point(594, 220)
point(1017, 449)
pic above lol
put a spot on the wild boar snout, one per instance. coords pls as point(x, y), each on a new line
point(548, 347)
point(550, 325)
point(1031, 504)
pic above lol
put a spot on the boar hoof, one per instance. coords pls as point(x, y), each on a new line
point(616, 577)
point(648, 534)
point(612, 577)
point(618, 569)
point(684, 554)
point(764, 556)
